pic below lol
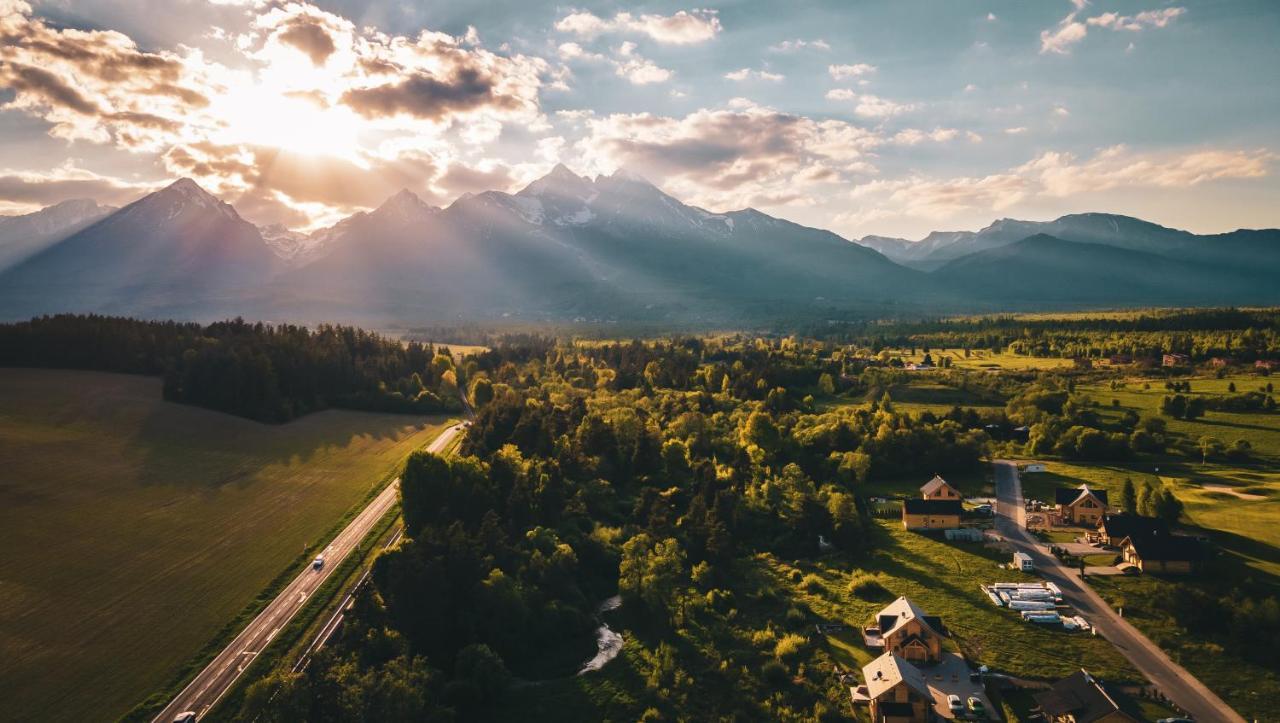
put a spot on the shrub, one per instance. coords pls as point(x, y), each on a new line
point(868, 587)
point(811, 583)
point(774, 674)
point(795, 617)
point(789, 646)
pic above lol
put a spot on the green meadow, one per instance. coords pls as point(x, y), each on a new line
point(136, 529)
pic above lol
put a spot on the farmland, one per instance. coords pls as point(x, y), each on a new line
point(136, 528)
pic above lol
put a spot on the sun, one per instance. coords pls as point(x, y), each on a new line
point(291, 121)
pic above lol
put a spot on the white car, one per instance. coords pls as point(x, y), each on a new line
point(317, 563)
point(956, 705)
point(188, 716)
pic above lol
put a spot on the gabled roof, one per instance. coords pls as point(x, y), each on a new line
point(1080, 696)
point(1166, 547)
point(1126, 525)
point(936, 484)
point(887, 671)
point(914, 506)
point(899, 613)
point(1072, 495)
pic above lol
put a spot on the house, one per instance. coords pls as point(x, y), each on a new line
point(1034, 467)
point(1080, 698)
point(1175, 360)
point(897, 691)
point(1081, 505)
point(1220, 362)
point(931, 514)
point(1112, 529)
point(1267, 364)
point(939, 489)
point(909, 633)
point(1163, 553)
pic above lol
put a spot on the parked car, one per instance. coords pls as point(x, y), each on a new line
point(954, 702)
point(975, 706)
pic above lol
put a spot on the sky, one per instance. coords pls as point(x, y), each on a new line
point(887, 117)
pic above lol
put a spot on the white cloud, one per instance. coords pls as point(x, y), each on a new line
point(841, 72)
point(637, 69)
point(1061, 111)
point(681, 28)
point(914, 136)
point(1069, 32)
point(1016, 131)
point(991, 17)
point(970, 88)
point(1134, 23)
point(791, 46)
point(747, 73)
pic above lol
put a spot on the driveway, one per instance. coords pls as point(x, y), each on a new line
point(1170, 678)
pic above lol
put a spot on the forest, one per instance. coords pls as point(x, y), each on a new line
point(270, 373)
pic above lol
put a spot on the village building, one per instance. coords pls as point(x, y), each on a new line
point(1219, 362)
point(1081, 505)
point(1163, 553)
point(939, 489)
point(908, 632)
point(931, 514)
point(1113, 529)
point(897, 691)
point(1080, 698)
point(1175, 360)
point(1267, 364)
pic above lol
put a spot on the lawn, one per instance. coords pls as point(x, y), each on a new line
point(1251, 689)
point(136, 529)
point(984, 360)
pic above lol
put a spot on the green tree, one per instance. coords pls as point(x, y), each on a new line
point(1168, 507)
point(652, 572)
point(1129, 497)
point(827, 384)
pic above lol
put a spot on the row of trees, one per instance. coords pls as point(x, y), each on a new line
point(264, 372)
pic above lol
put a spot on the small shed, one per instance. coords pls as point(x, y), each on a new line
point(1034, 467)
point(1023, 562)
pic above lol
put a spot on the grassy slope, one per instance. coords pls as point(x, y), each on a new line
point(941, 577)
point(136, 528)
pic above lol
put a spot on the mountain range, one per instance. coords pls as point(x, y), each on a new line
point(603, 249)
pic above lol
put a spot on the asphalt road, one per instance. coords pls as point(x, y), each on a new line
point(1170, 678)
point(211, 683)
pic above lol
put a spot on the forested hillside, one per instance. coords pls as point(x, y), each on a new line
point(263, 372)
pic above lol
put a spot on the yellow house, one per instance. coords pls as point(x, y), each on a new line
point(939, 489)
point(1163, 553)
point(909, 633)
point(931, 514)
point(1081, 505)
point(897, 691)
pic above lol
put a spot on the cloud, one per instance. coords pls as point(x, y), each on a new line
point(1051, 174)
point(27, 191)
point(1061, 111)
point(730, 158)
point(1071, 31)
point(915, 136)
point(748, 73)
point(1135, 23)
point(1015, 131)
point(424, 96)
point(637, 69)
point(681, 28)
point(792, 46)
point(310, 37)
point(868, 105)
point(841, 72)
point(1068, 33)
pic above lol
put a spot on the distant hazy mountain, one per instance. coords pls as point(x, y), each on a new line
point(171, 251)
point(1048, 271)
point(610, 248)
point(24, 236)
point(1237, 249)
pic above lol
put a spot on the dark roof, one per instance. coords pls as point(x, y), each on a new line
point(1167, 547)
point(932, 507)
point(1078, 695)
point(1125, 525)
point(1067, 495)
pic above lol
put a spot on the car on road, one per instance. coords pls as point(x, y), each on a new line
point(1175, 720)
point(186, 716)
point(976, 707)
point(953, 701)
point(317, 563)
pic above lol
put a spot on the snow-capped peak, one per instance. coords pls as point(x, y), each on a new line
point(404, 204)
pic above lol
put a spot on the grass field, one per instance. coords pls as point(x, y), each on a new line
point(136, 529)
point(983, 360)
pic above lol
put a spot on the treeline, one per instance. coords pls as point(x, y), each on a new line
point(271, 373)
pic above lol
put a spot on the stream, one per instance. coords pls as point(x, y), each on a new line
point(608, 642)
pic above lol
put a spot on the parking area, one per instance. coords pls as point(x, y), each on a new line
point(951, 677)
